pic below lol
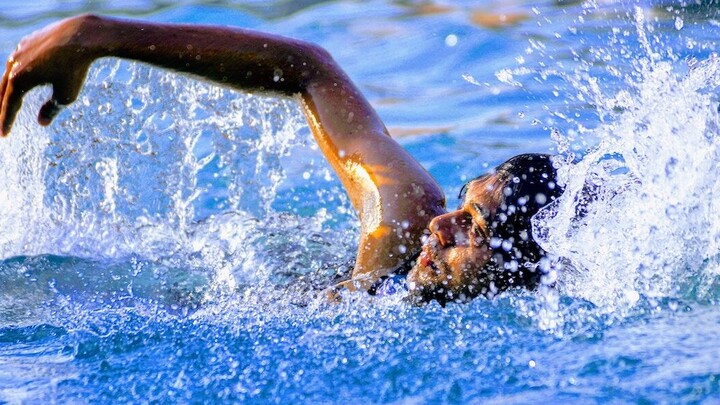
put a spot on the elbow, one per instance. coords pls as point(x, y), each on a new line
point(86, 19)
point(318, 63)
point(88, 16)
point(317, 52)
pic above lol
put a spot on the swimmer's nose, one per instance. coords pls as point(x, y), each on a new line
point(445, 226)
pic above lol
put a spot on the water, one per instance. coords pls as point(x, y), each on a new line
point(160, 238)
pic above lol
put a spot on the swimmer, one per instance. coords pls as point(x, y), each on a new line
point(480, 249)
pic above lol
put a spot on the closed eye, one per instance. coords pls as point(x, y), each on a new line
point(481, 230)
point(484, 212)
point(481, 220)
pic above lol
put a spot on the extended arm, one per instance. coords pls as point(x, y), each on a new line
point(394, 196)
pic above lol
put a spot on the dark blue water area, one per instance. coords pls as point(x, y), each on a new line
point(480, 352)
point(136, 329)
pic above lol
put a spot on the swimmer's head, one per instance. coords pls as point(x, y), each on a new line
point(486, 246)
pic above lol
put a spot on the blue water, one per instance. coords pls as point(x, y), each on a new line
point(160, 239)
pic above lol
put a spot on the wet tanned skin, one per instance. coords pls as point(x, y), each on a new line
point(453, 261)
point(395, 197)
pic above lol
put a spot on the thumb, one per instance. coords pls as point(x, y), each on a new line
point(64, 93)
point(48, 111)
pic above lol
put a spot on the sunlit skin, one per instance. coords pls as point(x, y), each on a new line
point(397, 200)
point(452, 263)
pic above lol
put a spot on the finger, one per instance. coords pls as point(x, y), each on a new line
point(9, 66)
point(49, 111)
point(15, 85)
point(11, 103)
point(64, 93)
point(67, 90)
point(3, 86)
point(4, 83)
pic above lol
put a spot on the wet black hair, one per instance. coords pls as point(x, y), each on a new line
point(529, 183)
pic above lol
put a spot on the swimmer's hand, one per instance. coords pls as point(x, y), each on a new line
point(54, 55)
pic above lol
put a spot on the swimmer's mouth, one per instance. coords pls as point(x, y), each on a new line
point(426, 259)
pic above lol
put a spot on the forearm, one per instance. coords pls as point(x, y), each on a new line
point(394, 196)
point(242, 59)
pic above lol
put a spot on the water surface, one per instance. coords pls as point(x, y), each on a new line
point(158, 240)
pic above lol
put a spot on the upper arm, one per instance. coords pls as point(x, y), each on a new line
point(395, 197)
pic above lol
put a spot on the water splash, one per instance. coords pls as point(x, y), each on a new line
point(192, 183)
point(188, 180)
point(638, 217)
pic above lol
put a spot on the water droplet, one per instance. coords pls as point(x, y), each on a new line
point(507, 245)
point(470, 79)
point(679, 23)
point(451, 40)
point(506, 76)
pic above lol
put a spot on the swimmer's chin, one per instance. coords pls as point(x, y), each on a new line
point(421, 288)
point(432, 281)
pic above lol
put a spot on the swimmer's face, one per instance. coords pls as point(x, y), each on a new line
point(453, 259)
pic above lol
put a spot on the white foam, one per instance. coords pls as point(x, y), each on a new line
point(651, 227)
point(153, 164)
